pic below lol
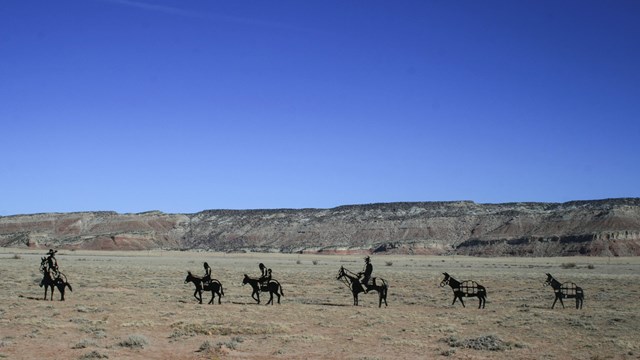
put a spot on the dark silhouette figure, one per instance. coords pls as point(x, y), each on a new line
point(351, 280)
point(51, 265)
point(212, 285)
point(207, 274)
point(271, 285)
point(49, 281)
point(366, 275)
point(465, 288)
point(567, 290)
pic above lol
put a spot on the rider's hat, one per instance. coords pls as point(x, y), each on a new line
point(367, 259)
point(52, 252)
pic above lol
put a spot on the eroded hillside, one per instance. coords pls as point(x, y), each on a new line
point(599, 228)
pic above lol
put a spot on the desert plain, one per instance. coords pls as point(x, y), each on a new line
point(135, 305)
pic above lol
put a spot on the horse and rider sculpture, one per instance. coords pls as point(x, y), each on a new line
point(368, 283)
point(357, 282)
point(52, 276)
point(205, 283)
point(265, 283)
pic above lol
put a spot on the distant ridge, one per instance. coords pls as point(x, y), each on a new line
point(607, 227)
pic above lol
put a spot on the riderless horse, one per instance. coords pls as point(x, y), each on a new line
point(59, 280)
point(272, 286)
point(467, 288)
point(352, 281)
point(567, 290)
point(213, 285)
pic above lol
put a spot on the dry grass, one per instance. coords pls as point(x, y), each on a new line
point(135, 305)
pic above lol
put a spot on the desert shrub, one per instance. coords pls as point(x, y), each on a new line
point(315, 262)
point(568, 265)
point(17, 256)
point(93, 355)
point(486, 342)
point(388, 263)
point(205, 347)
point(298, 262)
point(84, 343)
point(590, 266)
point(134, 341)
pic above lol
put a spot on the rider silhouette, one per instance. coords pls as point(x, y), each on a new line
point(366, 273)
point(207, 274)
point(52, 265)
point(265, 275)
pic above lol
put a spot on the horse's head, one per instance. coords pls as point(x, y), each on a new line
point(548, 281)
point(43, 265)
point(340, 273)
point(189, 277)
point(446, 279)
point(245, 280)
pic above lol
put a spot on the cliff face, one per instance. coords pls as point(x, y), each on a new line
point(599, 228)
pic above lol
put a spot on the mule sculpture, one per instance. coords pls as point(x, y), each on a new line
point(566, 290)
point(272, 286)
point(352, 281)
point(465, 288)
point(214, 286)
point(55, 280)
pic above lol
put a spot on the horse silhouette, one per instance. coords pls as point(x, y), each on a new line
point(59, 281)
point(213, 285)
point(352, 281)
point(465, 288)
point(272, 286)
point(567, 290)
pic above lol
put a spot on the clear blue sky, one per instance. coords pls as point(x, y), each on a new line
point(182, 106)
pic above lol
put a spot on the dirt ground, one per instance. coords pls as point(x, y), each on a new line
point(135, 305)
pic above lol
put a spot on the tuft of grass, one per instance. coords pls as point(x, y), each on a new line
point(315, 262)
point(84, 343)
point(388, 263)
point(591, 266)
point(93, 355)
point(134, 341)
point(486, 342)
point(570, 265)
point(17, 256)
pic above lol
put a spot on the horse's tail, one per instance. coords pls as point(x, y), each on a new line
point(69, 286)
point(221, 290)
point(279, 287)
point(483, 290)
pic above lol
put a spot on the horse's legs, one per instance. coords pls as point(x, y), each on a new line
point(270, 298)
point(256, 296)
point(462, 302)
point(355, 298)
point(561, 302)
point(195, 295)
point(213, 296)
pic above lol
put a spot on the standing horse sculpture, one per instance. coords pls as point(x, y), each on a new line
point(48, 281)
point(213, 285)
point(465, 288)
point(566, 290)
point(272, 286)
point(351, 280)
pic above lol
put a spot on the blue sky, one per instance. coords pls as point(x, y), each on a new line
point(182, 106)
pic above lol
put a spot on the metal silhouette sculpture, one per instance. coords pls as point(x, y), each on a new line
point(352, 281)
point(566, 290)
point(467, 288)
point(53, 278)
point(270, 285)
point(213, 285)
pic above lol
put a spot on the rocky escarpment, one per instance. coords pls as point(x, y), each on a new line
point(601, 227)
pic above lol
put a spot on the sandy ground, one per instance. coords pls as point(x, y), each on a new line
point(135, 305)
